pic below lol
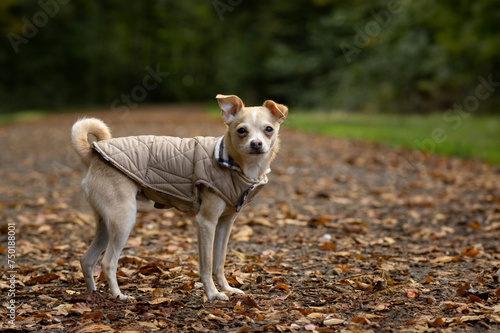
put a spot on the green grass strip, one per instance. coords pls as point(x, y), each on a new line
point(16, 117)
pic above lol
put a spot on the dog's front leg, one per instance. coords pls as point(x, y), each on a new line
point(211, 209)
point(220, 247)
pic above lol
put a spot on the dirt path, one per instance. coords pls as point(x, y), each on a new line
point(346, 237)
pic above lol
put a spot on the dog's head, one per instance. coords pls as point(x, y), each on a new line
point(253, 130)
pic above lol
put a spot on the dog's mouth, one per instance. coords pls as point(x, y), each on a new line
point(257, 152)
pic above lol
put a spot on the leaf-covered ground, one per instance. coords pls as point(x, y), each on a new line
point(347, 237)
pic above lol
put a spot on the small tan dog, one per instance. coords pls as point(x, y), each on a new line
point(211, 177)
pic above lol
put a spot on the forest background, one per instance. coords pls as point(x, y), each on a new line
point(389, 56)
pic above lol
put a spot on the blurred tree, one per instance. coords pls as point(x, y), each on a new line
point(385, 55)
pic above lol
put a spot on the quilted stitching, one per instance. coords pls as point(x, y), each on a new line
point(174, 167)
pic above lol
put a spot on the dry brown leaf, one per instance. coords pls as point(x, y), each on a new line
point(244, 234)
point(157, 292)
point(281, 286)
point(159, 300)
point(438, 322)
point(48, 299)
point(216, 318)
point(360, 320)
point(148, 325)
point(188, 286)
point(475, 298)
point(244, 257)
point(248, 300)
point(234, 281)
point(151, 268)
point(315, 315)
point(93, 328)
point(310, 327)
point(63, 309)
point(42, 279)
point(475, 225)
point(333, 321)
point(328, 246)
point(93, 316)
point(261, 221)
point(80, 308)
point(275, 271)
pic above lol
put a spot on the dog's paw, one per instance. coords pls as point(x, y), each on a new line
point(218, 297)
point(234, 291)
point(123, 297)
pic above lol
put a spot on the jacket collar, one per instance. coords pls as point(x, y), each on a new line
point(223, 158)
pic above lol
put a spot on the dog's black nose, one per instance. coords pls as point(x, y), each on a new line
point(256, 144)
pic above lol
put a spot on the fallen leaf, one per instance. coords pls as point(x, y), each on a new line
point(234, 281)
point(281, 286)
point(310, 327)
point(261, 221)
point(333, 321)
point(475, 298)
point(328, 246)
point(381, 307)
point(244, 257)
point(93, 328)
point(151, 268)
point(470, 251)
point(188, 286)
point(275, 271)
point(243, 234)
point(250, 302)
point(360, 320)
point(42, 279)
point(63, 309)
point(93, 316)
point(315, 315)
point(148, 325)
point(80, 308)
point(159, 300)
point(438, 322)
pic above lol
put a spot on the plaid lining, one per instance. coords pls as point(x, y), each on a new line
point(223, 158)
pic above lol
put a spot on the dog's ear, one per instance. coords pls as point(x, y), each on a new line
point(279, 111)
point(230, 106)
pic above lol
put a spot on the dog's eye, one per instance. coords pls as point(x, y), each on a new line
point(241, 130)
point(269, 129)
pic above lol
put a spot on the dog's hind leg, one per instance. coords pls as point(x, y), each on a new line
point(98, 245)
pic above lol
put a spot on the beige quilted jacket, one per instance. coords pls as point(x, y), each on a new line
point(172, 169)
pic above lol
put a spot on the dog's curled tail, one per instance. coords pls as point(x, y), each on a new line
point(79, 136)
